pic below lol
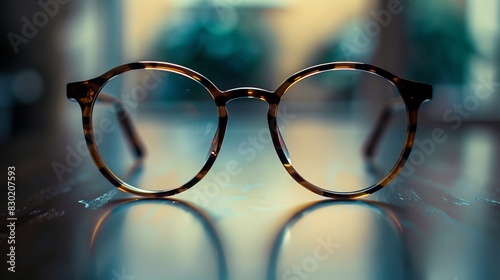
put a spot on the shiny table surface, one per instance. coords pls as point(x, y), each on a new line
point(439, 221)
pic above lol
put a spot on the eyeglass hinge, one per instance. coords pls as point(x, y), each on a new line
point(418, 92)
point(81, 92)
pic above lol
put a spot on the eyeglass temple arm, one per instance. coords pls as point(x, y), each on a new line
point(373, 140)
point(125, 123)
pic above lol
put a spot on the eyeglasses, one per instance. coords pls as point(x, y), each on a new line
point(155, 129)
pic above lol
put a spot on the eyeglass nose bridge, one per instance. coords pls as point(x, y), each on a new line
point(246, 92)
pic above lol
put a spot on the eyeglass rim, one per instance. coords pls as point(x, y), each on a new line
point(85, 94)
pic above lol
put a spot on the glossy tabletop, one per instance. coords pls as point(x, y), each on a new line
point(437, 221)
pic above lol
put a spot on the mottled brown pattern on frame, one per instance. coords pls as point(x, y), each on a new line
point(412, 93)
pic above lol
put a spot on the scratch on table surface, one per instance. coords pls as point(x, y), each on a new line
point(54, 190)
point(455, 200)
point(43, 216)
point(99, 201)
point(489, 200)
point(231, 198)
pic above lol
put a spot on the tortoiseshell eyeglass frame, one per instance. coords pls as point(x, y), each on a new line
point(86, 93)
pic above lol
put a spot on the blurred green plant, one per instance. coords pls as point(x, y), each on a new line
point(229, 51)
point(440, 44)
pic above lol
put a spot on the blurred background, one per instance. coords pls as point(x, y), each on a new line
point(451, 44)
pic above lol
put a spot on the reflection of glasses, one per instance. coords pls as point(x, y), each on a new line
point(283, 248)
point(325, 112)
point(157, 216)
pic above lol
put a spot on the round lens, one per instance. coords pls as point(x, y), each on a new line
point(172, 117)
point(335, 117)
